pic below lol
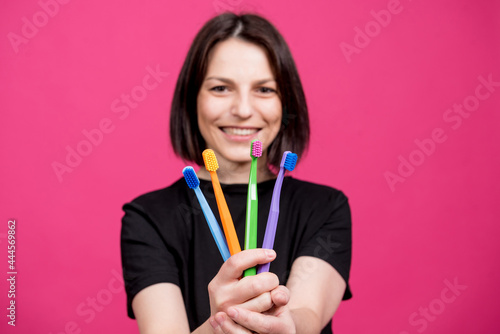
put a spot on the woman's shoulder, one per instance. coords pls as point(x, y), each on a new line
point(310, 196)
point(162, 198)
point(312, 190)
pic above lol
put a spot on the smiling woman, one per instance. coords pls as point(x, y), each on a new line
point(238, 83)
point(273, 69)
point(238, 102)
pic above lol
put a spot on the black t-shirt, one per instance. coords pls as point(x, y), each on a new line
point(165, 237)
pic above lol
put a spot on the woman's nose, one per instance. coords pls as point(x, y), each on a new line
point(242, 106)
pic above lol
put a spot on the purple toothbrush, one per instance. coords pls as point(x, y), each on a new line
point(288, 162)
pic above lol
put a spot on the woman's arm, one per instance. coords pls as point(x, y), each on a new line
point(316, 290)
point(159, 309)
point(313, 294)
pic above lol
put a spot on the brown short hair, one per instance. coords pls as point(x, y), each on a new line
point(185, 135)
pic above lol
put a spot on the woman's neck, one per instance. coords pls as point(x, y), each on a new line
point(237, 172)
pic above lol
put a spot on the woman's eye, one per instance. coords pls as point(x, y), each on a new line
point(219, 89)
point(266, 90)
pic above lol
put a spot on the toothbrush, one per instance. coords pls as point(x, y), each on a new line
point(194, 183)
point(227, 222)
point(288, 162)
point(252, 204)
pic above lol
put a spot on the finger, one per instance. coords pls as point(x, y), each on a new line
point(225, 289)
point(280, 296)
point(262, 323)
point(233, 268)
point(222, 324)
point(252, 286)
point(252, 320)
point(259, 304)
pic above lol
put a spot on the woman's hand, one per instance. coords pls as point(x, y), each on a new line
point(228, 289)
point(277, 319)
point(253, 303)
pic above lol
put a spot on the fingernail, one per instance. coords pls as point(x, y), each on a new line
point(282, 296)
point(220, 319)
point(213, 323)
point(270, 253)
point(232, 313)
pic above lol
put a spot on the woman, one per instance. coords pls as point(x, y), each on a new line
point(238, 83)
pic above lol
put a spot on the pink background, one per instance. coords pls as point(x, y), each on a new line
point(434, 224)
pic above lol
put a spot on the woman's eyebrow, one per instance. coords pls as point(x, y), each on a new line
point(220, 79)
point(229, 81)
point(263, 81)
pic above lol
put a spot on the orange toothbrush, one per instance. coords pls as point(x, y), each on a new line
point(227, 222)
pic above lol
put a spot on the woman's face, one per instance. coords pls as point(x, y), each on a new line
point(238, 100)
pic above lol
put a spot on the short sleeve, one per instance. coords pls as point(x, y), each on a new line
point(147, 258)
point(332, 242)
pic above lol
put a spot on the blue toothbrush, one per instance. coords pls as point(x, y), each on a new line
point(194, 183)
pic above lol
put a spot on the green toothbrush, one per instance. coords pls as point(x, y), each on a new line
point(252, 204)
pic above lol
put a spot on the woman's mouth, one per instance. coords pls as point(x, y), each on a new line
point(239, 131)
point(240, 134)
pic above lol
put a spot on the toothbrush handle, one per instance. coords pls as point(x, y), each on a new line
point(251, 229)
point(225, 217)
point(251, 215)
point(213, 225)
point(272, 219)
point(272, 224)
point(268, 243)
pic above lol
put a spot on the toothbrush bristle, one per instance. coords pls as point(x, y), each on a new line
point(191, 177)
point(256, 149)
point(283, 158)
point(290, 161)
point(210, 160)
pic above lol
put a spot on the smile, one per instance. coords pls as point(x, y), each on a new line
point(240, 131)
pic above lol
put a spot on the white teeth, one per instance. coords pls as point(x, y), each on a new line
point(239, 131)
